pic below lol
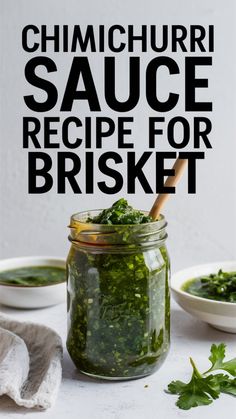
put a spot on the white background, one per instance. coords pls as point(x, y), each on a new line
point(202, 226)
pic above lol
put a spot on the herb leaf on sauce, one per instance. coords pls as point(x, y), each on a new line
point(118, 296)
point(220, 286)
point(203, 388)
point(33, 276)
point(120, 213)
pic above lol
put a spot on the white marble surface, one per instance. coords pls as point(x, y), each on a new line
point(84, 398)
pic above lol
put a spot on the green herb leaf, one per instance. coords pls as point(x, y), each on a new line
point(220, 286)
point(217, 357)
point(199, 391)
point(202, 389)
point(226, 384)
point(217, 354)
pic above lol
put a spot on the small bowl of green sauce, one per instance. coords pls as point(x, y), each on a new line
point(208, 292)
point(32, 282)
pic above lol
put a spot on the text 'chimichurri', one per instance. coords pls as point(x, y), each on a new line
point(33, 276)
point(118, 293)
point(220, 286)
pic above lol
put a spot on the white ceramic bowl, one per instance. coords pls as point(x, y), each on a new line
point(32, 297)
point(219, 314)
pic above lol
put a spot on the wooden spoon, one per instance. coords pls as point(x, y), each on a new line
point(161, 199)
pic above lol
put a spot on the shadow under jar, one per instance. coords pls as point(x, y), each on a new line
point(118, 298)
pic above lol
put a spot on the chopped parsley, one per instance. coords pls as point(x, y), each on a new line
point(120, 213)
point(33, 276)
point(203, 388)
point(220, 286)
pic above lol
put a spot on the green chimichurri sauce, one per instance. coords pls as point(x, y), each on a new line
point(220, 286)
point(118, 301)
point(33, 276)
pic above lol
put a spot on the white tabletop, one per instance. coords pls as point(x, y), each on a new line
point(83, 398)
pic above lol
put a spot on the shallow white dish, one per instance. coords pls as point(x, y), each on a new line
point(32, 297)
point(219, 314)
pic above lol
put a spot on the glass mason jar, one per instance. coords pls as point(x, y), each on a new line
point(118, 298)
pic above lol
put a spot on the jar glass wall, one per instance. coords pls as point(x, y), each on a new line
point(118, 298)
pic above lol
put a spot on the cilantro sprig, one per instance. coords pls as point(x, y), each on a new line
point(203, 388)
